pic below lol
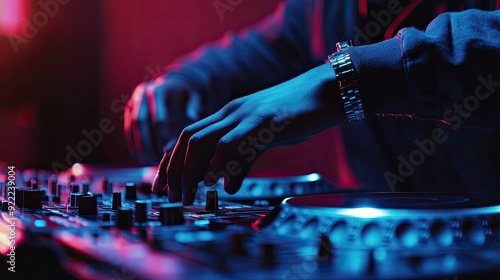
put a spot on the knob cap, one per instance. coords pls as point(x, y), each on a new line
point(124, 218)
point(5, 206)
point(117, 200)
point(107, 187)
point(130, 191)
point(75, 199)
point(171, 214)
point(87, 205)
point(58, 190)
point(19, 194)
point(53, 185)
point(212, 202)
point(141, 211)
point(85, 187)
point(45, 197)
point(33, 199)
point(74, 188)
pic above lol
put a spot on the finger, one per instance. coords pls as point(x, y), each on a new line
point(176, 163)
point(201, 147)
point(234, 156)
point(160, 181)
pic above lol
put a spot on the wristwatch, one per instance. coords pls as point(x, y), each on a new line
point(347, 79)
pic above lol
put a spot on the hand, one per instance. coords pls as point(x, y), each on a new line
point(227, 143)
point(155, 115)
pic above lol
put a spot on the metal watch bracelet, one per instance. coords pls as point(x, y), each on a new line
point(347, 80)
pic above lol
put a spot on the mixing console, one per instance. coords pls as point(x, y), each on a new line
point(104, 223)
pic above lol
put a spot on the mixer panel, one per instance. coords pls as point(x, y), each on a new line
point(92, 223)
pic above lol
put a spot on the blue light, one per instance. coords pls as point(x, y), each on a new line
point(40, 223)
point(364, 212)
point(313, 177)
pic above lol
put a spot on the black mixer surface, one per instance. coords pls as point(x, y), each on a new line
point(96, 224)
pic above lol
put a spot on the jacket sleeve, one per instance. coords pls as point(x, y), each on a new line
point(449, 72)
point(276, 49)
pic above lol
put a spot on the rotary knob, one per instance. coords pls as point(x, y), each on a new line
point(74, 188)
point(141, 211)
point(53, 185)
point(87, 205)
point(117, 200)
point(19, 195)
point(171, 214)
point(55, 190)
point(124, 218)
point(130, 191)
point(32, 199)
point(75, 199)
point(85, 187)
point(107, 187)
point(212, 202)
point(5, 206)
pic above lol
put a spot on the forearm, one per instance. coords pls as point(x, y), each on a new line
point(449, 72)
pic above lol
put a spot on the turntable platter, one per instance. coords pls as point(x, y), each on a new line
point(395, 219)
point(423, 235)
point(425, 201)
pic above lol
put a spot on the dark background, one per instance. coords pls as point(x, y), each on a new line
point(85, 59)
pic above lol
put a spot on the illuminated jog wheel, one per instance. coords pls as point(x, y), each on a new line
point(275, 189)
point(419, 221)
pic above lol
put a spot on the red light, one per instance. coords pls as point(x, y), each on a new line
point(11, 13)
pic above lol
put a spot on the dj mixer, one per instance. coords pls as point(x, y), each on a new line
point(98, 222)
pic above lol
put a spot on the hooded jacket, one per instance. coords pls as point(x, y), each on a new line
point(429, 77)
